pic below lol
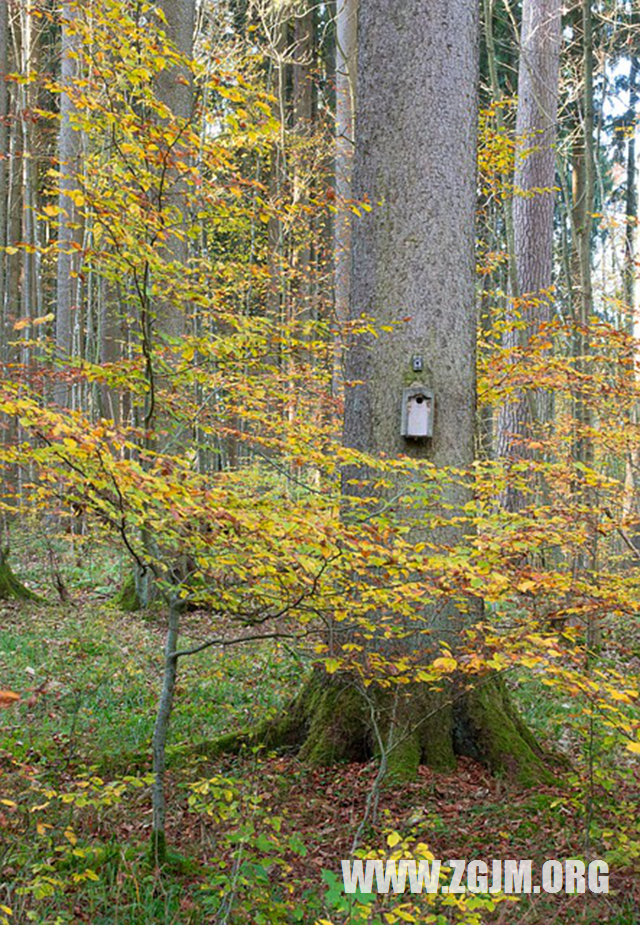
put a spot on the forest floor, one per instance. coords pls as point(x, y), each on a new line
point(258, 838)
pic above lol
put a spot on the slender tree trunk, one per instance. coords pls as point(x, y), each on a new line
point(346, 65)
point(303, 119)
point(632, 289)
point(8, 432)
point(69, 146)
point(582, 222)
point(631, 204)
point(533, 210)
point(277, 28)
point(14, 201)
point(161, 732)
point(175, 89)
point(4, 157)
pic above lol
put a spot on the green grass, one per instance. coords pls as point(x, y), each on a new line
point(74, 755)
point(89, 679)
point(100, 674)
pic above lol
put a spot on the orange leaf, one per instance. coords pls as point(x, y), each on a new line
point(7, 698)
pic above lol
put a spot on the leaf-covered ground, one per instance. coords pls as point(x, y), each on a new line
point(258, 838)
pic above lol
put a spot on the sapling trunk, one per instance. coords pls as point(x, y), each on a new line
point(160, 732)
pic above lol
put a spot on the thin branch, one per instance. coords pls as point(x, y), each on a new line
point(234, 642)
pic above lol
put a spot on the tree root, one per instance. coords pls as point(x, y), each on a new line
point(332, 720)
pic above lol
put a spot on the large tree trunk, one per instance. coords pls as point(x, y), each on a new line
point(413, 257)
point(535, 169)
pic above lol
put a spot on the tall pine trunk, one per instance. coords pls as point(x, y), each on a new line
point(413, 257)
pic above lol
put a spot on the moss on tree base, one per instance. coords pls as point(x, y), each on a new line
point(127, 597)
point(489, 729)
point(11, 588)
point(331, 721)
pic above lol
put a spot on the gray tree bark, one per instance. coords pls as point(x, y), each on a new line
point(533, 207)
point(535, 172)
point(413, 258)
point(161, 733)
point(631, 287)
point(303, 126)
point(69, 145)
point(413, 254)
point(4, 156)
point(175, 89)
point(346, 64)
point(174, 85)
point(168, 314)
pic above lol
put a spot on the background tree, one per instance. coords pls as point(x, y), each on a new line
point(346, 69)
point(533, 209)
point(68, 296)
point(175, 90)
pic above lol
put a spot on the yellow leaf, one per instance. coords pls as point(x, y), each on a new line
point(332, 665)
point(8, 803)
point(36, 809)
point(634, 747)
point(393, 839)
point(619, 695)
point(43, 319)
point(445, 664)
point(526, 585)
point(11, 249)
